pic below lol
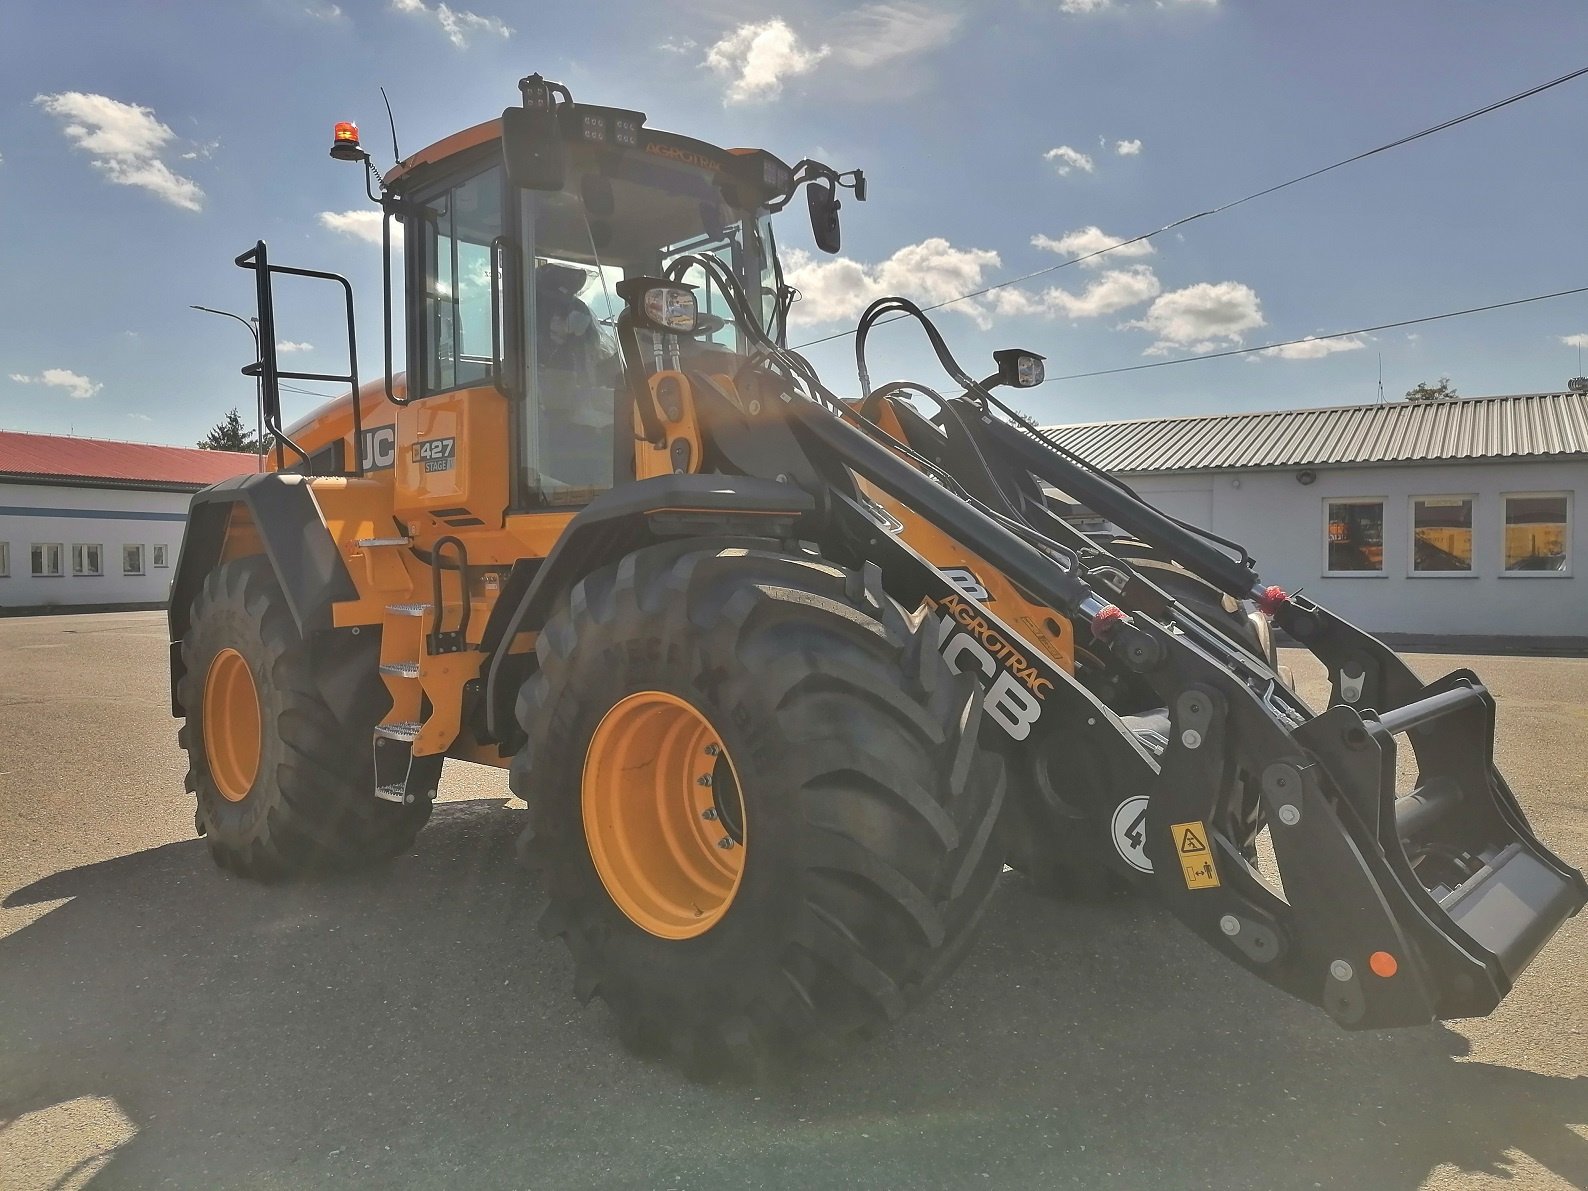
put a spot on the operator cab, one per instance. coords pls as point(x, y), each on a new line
point(513, 277)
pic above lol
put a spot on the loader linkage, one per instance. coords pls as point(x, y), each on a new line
point(1396, 908)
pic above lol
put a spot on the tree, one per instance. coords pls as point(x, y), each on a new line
point(228, 435)
point(1423, 391)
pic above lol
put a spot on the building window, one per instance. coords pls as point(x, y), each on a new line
point(1538, 532)
point(1356, 537)
point(5, 560)
point(1441, 534)
point(46, 559)
point(159, 556)
point(132, 560)
point(88, 560)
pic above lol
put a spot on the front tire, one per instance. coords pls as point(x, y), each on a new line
point(860, 822)
point(284, 781)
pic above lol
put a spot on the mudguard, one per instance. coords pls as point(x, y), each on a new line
point(282, 511)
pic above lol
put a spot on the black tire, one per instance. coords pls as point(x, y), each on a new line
point(312, 803)
point(870, 809)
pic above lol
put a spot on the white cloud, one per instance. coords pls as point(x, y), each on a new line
point(1128, 148)
point(361, 225)
point(1065, 159)
point(1087, 240)
point(1202, 317)
point(1312, 349)
point(1078, 6)
point(287, 345)
point(458, 24)
point(839, 289)
point(1116, 290)
point(77, 387)
point(125, 141)
point(881, 32)
point(324, 12)
point(140, 417)
point(1575, 340)
point(758, 57)
point(678, 45)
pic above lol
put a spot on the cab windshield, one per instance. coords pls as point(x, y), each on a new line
point(623, 215)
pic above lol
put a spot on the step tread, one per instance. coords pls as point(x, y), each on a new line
point(401, 730)
point(391, 793)
point(418, 609)
point(400, 669)
point(383, 541)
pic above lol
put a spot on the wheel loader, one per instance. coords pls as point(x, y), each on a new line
point(785, 679)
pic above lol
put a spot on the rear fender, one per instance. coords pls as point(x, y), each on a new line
point(262, 513)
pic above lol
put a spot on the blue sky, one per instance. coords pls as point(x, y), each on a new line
point(144, 143)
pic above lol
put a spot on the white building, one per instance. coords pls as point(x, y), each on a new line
point(1430, 519)
point(90, 523)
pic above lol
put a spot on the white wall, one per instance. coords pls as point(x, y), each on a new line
point(107, 517)
point(1282, 523)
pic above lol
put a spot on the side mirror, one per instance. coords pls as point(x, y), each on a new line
point(824, 204)
point(660, 305)
point(532, 149)
point(1019, 368)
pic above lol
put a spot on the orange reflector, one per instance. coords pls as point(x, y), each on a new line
point(1383, 964)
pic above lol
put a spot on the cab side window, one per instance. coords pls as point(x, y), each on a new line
point(460, 225)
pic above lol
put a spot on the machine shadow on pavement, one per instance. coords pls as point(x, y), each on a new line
point(409, 1027)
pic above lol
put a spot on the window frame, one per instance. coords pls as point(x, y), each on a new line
point(1565, 573)
point(160, 556)
point(1383, 503)
point(5, 560)
point(1411, 535)
point(60, 559)
point(84, 573)
point(138, 546)
point(421, 235)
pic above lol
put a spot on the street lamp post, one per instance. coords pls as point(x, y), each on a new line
point(259, 392)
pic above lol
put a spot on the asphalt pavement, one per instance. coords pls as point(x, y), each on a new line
point(163, 1024)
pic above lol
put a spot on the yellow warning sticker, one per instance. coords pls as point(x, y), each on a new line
point(1196, 858)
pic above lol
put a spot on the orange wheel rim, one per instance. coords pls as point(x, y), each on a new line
point(663, 815)
point(233, 726)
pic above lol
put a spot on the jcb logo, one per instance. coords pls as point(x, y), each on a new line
point(1014, 687)
point(377, 448)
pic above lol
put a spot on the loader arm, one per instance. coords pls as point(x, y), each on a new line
point(1368, 927)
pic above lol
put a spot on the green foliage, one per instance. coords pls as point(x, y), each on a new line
point(229, 435)
point(1423, 391)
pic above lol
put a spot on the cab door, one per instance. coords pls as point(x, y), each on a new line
point(452, 465)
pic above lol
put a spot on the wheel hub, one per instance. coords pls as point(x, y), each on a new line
point(233, 726)
point(663, 815)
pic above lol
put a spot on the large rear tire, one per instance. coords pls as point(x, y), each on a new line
point(284, 781)
point(848, 850)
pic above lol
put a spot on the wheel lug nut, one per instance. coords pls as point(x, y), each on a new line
point(712, 750)
point(704, 779)
point(725, 842)
point(709, 814)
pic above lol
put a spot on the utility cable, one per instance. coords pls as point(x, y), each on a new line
point(1395, 144)
point(1241, 351)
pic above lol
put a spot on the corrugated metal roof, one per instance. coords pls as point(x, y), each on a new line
point(1530, 425)
point(53, 458)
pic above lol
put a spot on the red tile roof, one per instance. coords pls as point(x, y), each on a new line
point(57, 458)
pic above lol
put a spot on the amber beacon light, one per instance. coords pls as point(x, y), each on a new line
point(344, 142)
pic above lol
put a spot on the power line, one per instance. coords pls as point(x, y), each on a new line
point(1257, 194)
point(1241, 351)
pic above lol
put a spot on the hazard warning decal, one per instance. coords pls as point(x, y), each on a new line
point(1196, 858)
